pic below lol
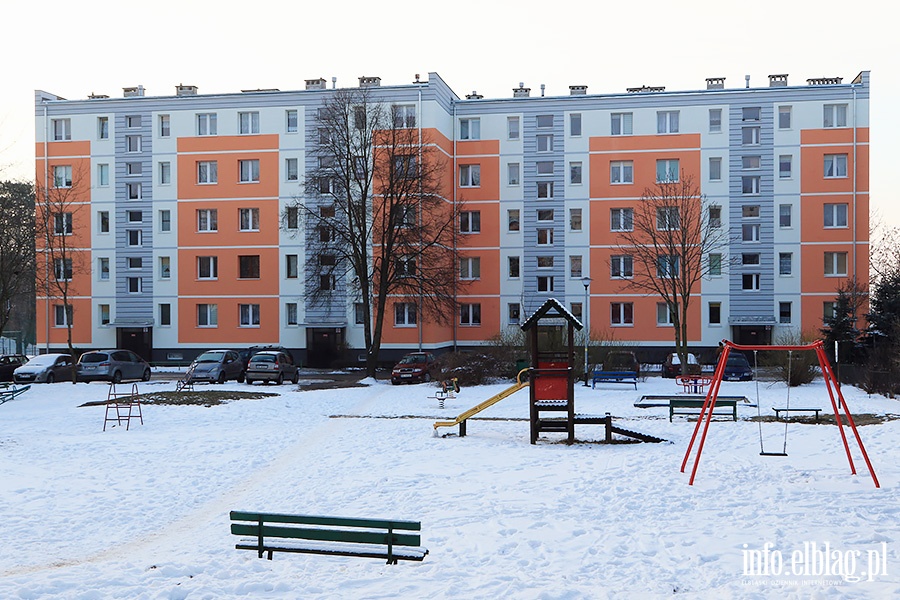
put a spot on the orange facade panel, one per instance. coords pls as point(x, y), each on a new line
point(61, 149)
point(477, 147)
point(213, 144)
point(227, 281)
point(228, 216)
point(642, 152)
point(81, 322)
point(228, 331)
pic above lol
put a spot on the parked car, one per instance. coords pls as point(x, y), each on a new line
point(247, 353)
point(45, 368)
point(737, 368)
point(672, 366)
point(9, 363)
point(621, 360)
point(112, 365)
point(217, 366)
point(414, 367)
point(272, 365)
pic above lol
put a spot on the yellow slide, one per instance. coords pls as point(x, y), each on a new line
point(489, 402)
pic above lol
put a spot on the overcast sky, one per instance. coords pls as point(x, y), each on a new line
point(73, 49)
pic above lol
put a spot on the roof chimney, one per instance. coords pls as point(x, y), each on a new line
point(131, 92)
point(824, 80)
point(185, 90)
point(369, 81)
point(778, 80)
point(645, 88)
point(474, 96)
point(316, 84)
point(746, 81)
point(94, 96)
point(577, 90)
point(521, 91)
point(715, 83)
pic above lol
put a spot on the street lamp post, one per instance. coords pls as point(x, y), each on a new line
point(585, 313)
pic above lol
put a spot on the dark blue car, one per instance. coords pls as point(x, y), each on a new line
point(737, 368)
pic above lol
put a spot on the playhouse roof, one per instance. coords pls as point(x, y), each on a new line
point(552, 309)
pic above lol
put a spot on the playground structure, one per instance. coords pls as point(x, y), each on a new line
point(9, 392)
point(122, 406)
point(835, 395)
point(552, 382)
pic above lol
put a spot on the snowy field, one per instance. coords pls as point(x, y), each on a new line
point(143, 514)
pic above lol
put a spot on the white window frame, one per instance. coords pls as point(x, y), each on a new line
point(668, 170)
point(784, 114)
point(62, 129)
point(62, 176)
point(164, 123)
point(165, 173)
point(248, 123)
point(513, 128)
point(621, 266)
point(621, 123)
point(248, 315)
point(103, 268)
point(291, 169)
point(785, 216)
point(544, 142)
point(750, 282)
point(469, 128)
point(291, 121)
point(248, 170)
point(663, 315)
point(835, 264)
point(715, 120)
point(545, 236)
point(575, 124)
point(513, 174)
point(836, 216)
point(210, 265)
point(513, 220)
point(405, 314)
point(209, 313)
point(207, 124)
point(165, 267)
point(621, 172)
point(785, 263)
point(470, 268)
point(785, 166)
point(207, 220)
point(102, 128)
point(750, 232)
point(576, 219)
point(668, 218)
point(514, 267)
point(291, 314)
point(835, 166)
point(545, 284)
point(576, 266)
point(291, 266)
point(470, 221)
point(621, 314)
point(834, 115)
point(667, 121)
point(470, 176)
point(715, 168)
point(134, 238)
point(207, 172)
point(621, 219)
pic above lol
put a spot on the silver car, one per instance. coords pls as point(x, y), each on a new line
point(45, 368)
point(272, 366)
point(217, 366)
point(112, 365)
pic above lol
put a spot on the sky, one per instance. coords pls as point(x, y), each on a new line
point(73, 49)
point(142, 513)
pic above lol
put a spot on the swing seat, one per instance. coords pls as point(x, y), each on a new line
point(773, 453)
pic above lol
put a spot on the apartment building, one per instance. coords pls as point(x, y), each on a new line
point(181, 200)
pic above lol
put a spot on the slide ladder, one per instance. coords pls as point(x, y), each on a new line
point(461, 419)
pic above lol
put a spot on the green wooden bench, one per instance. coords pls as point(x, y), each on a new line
point(678, 406)
point(338, 536)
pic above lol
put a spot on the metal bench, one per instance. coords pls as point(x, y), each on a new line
point(693, 407)
point(267, 533)
point(613, 377)
point(778, 411)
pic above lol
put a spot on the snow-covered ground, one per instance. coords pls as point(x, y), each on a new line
point(89, 514)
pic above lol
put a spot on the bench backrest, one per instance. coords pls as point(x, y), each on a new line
point(615, 374)
point(685, 403)
point(331, 529)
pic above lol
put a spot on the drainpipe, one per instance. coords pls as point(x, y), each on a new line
point(855, 169)
point(419, 216)
point(455, 233)
point(46, 256)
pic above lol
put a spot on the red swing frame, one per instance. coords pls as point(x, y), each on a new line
point(830, 382)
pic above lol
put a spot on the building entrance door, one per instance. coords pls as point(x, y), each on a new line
point(137, 339)
point(753, 335)
point(323, 346)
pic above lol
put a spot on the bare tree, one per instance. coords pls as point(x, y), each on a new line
point(375, 218)
point(61, 254)
point(672, 236)
point(16, 254)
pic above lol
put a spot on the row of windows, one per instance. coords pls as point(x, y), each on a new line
point(405, 314)
point(667, 121)
point(404, 116)
point(207, 124)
